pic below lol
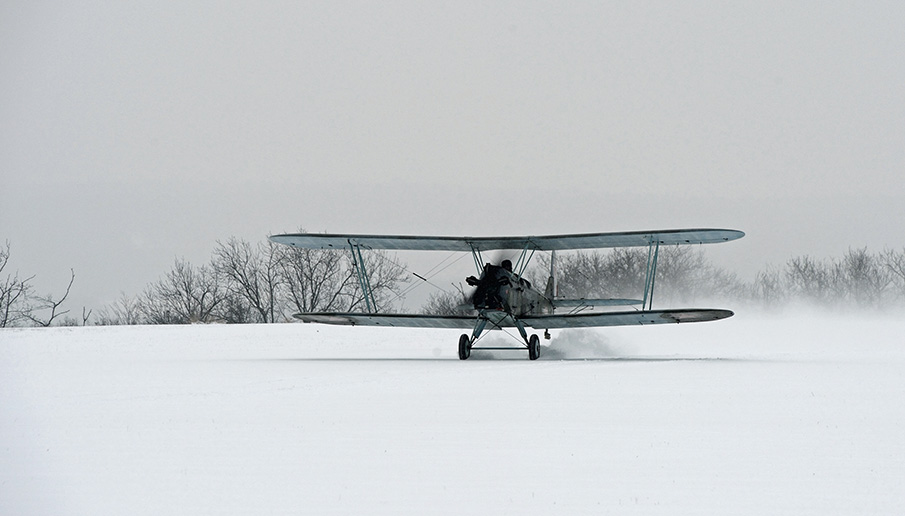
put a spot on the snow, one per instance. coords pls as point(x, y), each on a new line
point(791, 414)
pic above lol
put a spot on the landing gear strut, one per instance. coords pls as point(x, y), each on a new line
point(465, 347)
point(467, 342)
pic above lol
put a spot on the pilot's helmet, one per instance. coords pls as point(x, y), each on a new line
point(506, 264)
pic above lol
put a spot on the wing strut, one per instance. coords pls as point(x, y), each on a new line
point(553, 291)
point(653, 252)
point(478, 259)
point(524, 259)
point(363, 280)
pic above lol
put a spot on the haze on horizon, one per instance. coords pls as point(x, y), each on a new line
point(137, 133)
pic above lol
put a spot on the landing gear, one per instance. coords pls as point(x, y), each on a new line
point(464, 347)
point(499, 320)
point(533, 347)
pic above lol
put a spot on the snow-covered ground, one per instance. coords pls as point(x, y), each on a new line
point(751, 415)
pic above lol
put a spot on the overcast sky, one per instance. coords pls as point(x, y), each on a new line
point(134, 133)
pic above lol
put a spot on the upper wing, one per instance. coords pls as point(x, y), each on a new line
point(539, 243)
point(548, 322)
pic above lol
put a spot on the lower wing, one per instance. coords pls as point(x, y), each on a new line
point(543, 322)
point(591, 320)
point(399, 320)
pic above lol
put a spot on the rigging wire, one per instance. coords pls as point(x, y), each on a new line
point(437, 269)
point(430, 274)
point(448, 257)
point(427, 277)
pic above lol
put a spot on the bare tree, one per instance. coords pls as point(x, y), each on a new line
point(251, 275)
point(769, 287)
point(49, 303)
point(155, 310)
point(18, 304)
point(683, 274)
point(235, 309)
point(895, 264)
point(316, 280)
point(185, 294)
point(325, 280)
point(617, 273)
point(809, 279)
point(14, 293)
point(384, 276)
point(862, 278)
point(125, 311)
point(447, 303)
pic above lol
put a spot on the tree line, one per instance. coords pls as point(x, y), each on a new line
point(242, 283)
point(262, 283)
point(859, 280)
point(267, 283)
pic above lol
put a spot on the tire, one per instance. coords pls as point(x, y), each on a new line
point(533, 347)
point(464, 347)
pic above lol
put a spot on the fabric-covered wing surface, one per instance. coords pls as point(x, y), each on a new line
point(399, 320)
point(540, 243)
point(631, 318)
point(541, 322)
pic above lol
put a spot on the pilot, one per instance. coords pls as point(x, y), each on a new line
point(491, 285)
point(492, 274)
point(507, 266)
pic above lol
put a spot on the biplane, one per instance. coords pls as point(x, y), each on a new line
point(503, 298)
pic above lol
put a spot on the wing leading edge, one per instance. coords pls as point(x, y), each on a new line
point(591, 320)
point(538, 243)
point(397, 320)
point(543, 322)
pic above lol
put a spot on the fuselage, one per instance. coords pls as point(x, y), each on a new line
point(501, 289)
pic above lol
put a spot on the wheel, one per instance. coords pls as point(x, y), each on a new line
point(533, 347)
point(464, 347)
